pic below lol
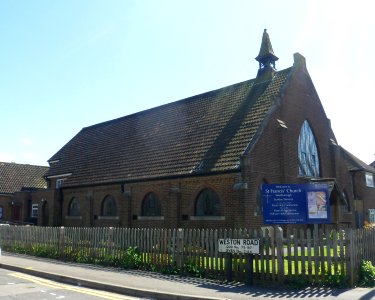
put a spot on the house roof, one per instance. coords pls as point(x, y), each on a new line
point(355, 163)
point(201, 134)
point(16, 177)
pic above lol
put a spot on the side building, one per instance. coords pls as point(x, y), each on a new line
point(20, 185)
point(201, 161)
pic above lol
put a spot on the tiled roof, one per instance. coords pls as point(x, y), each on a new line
point(201, 134)
point(355, 163)
point(15, 177)
point(373, 164)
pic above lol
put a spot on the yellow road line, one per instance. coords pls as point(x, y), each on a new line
point(81, 290)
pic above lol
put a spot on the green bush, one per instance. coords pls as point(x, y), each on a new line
point(366, 276)
point(132, 259)
point(297, 282)
point(337, 280)
point(192, 269)
point(44, 251)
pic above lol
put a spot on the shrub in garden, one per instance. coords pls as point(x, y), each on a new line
point(366, 274)
point(132, 259)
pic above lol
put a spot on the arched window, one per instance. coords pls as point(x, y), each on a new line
point(345, 202)
point(109, 207)
point(151, 205)
point(308, 157)
point(74, 209)
point(208, 203)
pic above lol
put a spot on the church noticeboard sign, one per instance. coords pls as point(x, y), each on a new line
point(249, 246)
point(295, 204)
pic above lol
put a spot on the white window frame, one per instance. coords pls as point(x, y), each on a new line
point(59, 182)
point(34, 210)
point(369, 180)
point(371, 215)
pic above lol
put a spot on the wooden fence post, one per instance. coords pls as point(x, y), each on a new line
point(229, 267)
point(280, 254)
point(110, 241)
point(180, 247)
point(62, 241)
point(250, 271)
point(350, 255)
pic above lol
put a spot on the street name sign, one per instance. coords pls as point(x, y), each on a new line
point(249, 246)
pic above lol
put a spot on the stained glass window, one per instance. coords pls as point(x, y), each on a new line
point(308, 157)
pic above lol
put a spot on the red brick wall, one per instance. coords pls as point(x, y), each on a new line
point(5, 203)
point(274, 158)
point(170, 193)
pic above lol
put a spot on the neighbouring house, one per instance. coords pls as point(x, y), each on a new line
point(363, 187)
point(19, 187)
point(201, 161)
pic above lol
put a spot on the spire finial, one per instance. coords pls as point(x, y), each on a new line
point(266, 56)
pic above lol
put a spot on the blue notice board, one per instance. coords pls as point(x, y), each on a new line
point(295, 203)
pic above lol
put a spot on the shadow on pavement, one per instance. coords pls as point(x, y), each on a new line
point(370, 295)
point(218, 286)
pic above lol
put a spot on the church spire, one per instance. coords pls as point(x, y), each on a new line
point(266, 57)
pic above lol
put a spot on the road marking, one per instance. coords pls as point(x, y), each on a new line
point(82, 290)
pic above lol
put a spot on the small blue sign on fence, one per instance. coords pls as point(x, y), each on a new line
point(295, 203)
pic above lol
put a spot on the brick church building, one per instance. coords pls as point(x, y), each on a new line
point(201, 161)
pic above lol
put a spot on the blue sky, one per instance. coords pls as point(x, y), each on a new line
point(68, 64)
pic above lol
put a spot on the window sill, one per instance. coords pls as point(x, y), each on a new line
point(207, 218)
point(108, 218)
point(73, 217)
point(153, 218)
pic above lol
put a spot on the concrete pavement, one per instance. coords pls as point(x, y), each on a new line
point(151, 285)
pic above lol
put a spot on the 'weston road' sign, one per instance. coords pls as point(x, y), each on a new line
point(250, 246)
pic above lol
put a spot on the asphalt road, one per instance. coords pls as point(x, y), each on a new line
point(19, 286)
